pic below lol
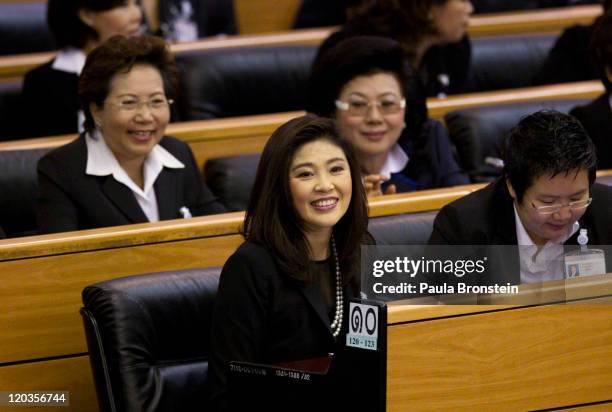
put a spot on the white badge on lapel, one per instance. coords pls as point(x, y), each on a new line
point(184, 211)
point(584, 261)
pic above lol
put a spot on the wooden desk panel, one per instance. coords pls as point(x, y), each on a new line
point(40, 297)
point(71, 374)
point(602, 407)
point(504, 357)
point(512, 360)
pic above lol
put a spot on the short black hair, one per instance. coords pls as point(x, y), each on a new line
point(358, 56)
point(271, 219)
point(66, 25)
point(606, 5)
point(118, 55)
point(601, 47)
point(546, 143)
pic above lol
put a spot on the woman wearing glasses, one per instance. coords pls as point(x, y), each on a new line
point(366, 86)
point(122, 169)
point(545, 199)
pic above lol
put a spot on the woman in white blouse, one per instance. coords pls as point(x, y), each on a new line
point(123, 169)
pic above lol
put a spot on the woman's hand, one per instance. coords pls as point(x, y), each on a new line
point(373, 183)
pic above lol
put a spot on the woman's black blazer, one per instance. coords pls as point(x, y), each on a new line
point(69, 199)
point(263, 315)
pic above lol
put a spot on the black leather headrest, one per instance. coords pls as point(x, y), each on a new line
point(231, 179)
point(19, 191)
point(506, 62)
point(244, 81)
point(154, 331)
point(477, 132)
point(404, 229)
point(23, 28)
point(255, 80)
point(10, 110)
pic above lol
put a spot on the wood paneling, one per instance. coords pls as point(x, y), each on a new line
point(523, 359)
point(71, 374)
point(40, 297)
point(504, 357)
point(261, 16)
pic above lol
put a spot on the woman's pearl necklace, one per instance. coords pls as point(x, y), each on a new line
point(337, 323)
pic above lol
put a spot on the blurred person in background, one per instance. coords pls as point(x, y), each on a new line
point(432, 33)
point(570, 59)
point(79, 26)
point(596, 117)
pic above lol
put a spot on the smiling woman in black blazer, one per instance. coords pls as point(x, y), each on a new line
point(122, 169)
point(282, 295)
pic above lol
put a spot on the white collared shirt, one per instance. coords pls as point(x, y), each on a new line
point(539, 264)
point(102, 162)
point(71, 60)
point(396, 161)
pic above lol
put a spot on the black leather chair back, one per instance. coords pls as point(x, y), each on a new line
point(244, 81)
point(231, 179)
point(507, 62)
point(23, 28)
point(148, 339)
point(255, 80)
point(19, 191)
point(477, 132)
point(404, 229)
point(10, 110)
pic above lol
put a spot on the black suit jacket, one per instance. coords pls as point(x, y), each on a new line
point(262, 315)
point(69, 199)
point(486, 217)
point(431, 163)
point(51, 96)
point(596, 118)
